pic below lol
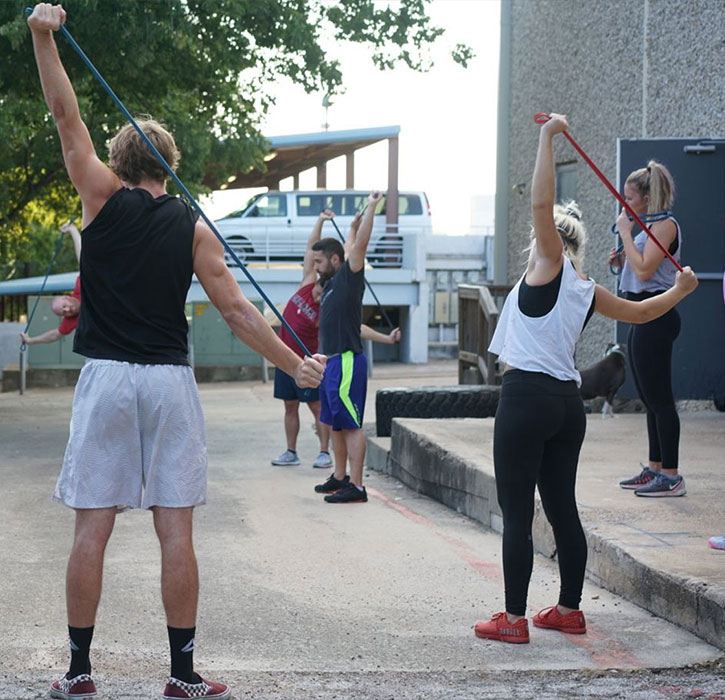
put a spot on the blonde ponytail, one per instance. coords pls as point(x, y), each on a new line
point(656, 182)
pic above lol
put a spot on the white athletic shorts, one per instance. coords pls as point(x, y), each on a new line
point(136, 438)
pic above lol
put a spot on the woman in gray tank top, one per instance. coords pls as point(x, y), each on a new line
point(645, 273)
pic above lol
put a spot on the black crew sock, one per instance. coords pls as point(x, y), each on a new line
point(181, 642)
point(80, 645)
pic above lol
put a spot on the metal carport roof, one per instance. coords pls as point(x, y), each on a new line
point(294, 153)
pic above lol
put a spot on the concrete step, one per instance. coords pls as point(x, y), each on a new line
point(651, 551)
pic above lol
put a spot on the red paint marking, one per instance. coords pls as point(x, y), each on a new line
point(487, 569)
point(604, 653)
point(415, 517)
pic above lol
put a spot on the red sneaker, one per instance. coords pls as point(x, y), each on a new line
point(76, 688)
point(176, 689)
point(500, 629)
point(552, 619)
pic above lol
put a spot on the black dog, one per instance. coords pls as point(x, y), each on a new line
point(604, 378)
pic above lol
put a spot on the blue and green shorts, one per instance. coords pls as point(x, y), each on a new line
point(343, 390)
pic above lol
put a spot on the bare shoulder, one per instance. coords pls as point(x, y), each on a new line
point(202, 231)
point(665, 230)
point(543, 270)
point(206, 244)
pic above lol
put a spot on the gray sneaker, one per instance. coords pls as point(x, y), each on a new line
point(322, 461)
point(663, 485)
point(641, 479)
point(286, 459)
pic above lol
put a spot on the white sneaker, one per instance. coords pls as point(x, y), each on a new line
point(286, 459)
point(322, 461)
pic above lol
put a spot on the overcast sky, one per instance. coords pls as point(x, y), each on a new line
point(447, 118)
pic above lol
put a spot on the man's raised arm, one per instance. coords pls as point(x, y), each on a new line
point(356, 256)
point(352, 234)
point(75, 234)
point(308, 271)
point(93, 180)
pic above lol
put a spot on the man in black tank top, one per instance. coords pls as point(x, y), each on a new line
point(137, 437)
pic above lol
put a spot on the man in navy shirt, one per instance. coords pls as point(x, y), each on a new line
point(344, 386)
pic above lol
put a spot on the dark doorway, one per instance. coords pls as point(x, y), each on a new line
point(698, 168)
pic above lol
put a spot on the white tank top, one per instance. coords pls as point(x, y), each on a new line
point(545, 344)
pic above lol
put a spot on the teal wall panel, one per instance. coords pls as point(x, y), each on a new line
point(213, 341)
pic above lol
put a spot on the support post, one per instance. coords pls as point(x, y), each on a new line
point(500, 265)
point(350, 170)
point(322, 175)
point(23, 365)
point(391, 201)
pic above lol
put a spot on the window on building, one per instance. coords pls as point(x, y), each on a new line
point(566, 182)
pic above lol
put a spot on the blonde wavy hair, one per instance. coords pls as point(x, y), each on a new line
point(573, 234)
point(132, 160)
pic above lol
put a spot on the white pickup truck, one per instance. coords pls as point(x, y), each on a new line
point(275, 226)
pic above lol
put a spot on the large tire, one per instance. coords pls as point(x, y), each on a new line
point(468, 401)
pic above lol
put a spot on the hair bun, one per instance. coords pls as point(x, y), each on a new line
point(572, 209)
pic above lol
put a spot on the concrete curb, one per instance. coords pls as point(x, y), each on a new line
point(470, 489)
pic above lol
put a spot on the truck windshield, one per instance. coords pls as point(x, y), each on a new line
point(238, 212)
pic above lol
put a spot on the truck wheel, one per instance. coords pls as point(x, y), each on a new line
point(241, 246)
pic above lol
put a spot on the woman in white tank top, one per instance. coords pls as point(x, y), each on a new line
point(540, 421)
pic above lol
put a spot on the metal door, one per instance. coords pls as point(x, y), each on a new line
point(698, 168)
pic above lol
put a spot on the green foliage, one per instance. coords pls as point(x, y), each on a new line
point(203, 67)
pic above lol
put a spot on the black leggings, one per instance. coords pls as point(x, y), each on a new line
point(539, 429)
point(649, 346)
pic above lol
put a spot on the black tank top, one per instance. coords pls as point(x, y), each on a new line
point(136, 268)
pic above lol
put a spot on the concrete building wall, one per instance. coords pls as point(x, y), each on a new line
point(618, 69)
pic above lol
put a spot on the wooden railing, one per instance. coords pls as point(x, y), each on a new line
point(478, 311)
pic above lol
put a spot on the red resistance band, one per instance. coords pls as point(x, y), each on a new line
point(542, 118)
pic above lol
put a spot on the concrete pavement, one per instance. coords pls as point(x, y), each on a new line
point(302, 598)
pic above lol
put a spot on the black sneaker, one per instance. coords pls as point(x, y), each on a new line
point(332, 484)
point(348, 494)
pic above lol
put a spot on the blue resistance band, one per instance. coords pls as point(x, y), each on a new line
point(178, 182)
point(647, 219)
